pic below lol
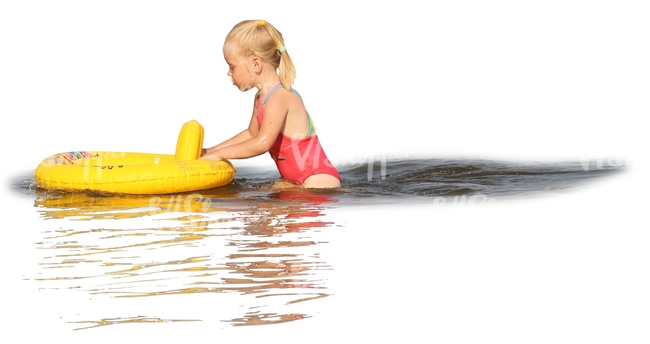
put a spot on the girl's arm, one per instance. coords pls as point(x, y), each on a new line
point(275, 113)
point(242, 136)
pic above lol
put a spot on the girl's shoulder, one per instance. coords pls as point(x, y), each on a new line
point(282, 95)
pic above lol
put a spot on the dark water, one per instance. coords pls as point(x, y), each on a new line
point(410, 180)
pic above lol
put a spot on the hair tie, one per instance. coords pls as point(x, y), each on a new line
point(261, 22)
point(282, 49)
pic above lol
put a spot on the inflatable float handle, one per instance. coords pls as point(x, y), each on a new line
point(190, 141)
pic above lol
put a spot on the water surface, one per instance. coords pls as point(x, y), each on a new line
point(247, 253)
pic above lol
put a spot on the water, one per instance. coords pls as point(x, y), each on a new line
point(445, 178)
point(261, 255)
point(408, 180)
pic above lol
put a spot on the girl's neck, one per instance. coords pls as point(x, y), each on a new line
point(267, 86)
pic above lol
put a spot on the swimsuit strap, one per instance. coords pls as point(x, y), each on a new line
point(279, 85)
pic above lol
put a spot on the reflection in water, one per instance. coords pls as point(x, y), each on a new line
point(114, 321)
point(266, 245)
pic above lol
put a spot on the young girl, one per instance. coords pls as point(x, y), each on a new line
point(280, 124)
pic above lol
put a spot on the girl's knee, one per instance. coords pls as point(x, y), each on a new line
point(322, 181)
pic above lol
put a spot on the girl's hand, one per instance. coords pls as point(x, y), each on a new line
point(210, 156)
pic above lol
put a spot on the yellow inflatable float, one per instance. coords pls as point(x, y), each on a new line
point(137, 173)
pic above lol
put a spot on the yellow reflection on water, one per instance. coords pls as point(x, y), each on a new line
point(115, 321)
point(267, 246)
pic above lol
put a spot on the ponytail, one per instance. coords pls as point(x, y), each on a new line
point(286, 70)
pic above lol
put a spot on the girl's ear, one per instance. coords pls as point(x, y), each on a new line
point(257, 64)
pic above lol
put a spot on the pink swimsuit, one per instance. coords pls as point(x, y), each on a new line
point(299, 158)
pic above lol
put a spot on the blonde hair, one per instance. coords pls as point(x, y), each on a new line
point(260, 38)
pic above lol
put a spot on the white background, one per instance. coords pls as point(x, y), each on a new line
point(552, 80)
point(558, 80)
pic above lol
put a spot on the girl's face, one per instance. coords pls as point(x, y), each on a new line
point(239, 69)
